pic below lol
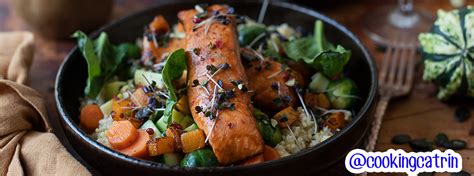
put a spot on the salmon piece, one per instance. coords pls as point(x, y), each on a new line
point(269, 81)
point(235, 136)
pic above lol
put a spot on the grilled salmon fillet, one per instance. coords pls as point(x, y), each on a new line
point(213, 51)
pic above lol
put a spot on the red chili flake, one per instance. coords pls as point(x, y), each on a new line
point(231, 125)
point(286, 75)
point(150, 131)
point(212, 59)
point(197, 20)
point(219, 43)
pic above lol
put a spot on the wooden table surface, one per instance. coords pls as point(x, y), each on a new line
point(420, 114)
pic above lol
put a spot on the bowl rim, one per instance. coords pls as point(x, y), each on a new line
point(65, 117)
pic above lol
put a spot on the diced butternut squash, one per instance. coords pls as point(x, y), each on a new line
point(161, 146)
point(193, 140)
point(254, 160)
point(174, 133)
point(139, 147)
point(139, 97)
point(270, 153)
point(90, 117)
point(121, 134)
point(336, 121)
point(159, 24)
point(286, 117)
point(121, 108)
point(182, 105)
point(314, 100)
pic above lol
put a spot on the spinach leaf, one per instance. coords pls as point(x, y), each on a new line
point(103, 59)
point(95, 79)
point(317, 52)
point(173, 69)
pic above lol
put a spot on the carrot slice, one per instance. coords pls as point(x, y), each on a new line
point(139, 147)
point(161, 146)
point(254, 160)
point(270, 153)
point(90, 117)
point(193, 140)
point(121, 134)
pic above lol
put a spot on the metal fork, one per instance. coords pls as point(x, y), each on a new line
point(395, 80)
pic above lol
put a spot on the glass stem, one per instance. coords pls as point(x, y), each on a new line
point(405, 6)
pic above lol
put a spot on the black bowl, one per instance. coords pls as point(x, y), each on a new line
point(72, 75)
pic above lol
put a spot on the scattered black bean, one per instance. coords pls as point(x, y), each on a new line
point(219, 82)
point(224, 65)
point(462, 114)
point(195, 83)
point(283, 119)
point(420, 145)
point(462, 173)
point(146, 89)
point(197, 51)
point(230, 10)
point(401, 139)
point(198, 109)
point(440, 139)
point(215, 12)
point(455, 144)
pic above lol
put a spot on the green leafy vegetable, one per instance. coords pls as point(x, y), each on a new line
point(173, 69)
point(103, 58)
point(317, 52)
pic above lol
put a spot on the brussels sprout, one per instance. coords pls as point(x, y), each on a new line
point(271, 134)
point(248, 33)
point(318, 83)
point(342, 93)
point(200, 158)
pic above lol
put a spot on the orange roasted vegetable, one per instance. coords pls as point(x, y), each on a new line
point(193, 140)
point(121, 108)
point(286, 117)
point(139, 97)
point(161, 146)
point(336, 121)
point(317, 100)
point(270, 153)
point(159, 25)
point(139, 147)
point(121, 134)
point(175, 133)
point(90, 116)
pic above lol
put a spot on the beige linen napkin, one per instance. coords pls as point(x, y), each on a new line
point(27, 146)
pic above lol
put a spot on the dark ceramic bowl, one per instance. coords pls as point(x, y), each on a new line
point(72, 75)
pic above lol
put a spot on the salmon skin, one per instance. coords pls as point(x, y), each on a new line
point(217, 90)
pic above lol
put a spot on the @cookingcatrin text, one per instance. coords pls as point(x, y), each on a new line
point(412, 163)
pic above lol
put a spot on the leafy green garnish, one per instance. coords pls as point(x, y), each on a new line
point(173, 69)
point(103, 58)
point(317, 52)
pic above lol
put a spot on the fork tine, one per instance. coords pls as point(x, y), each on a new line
point(393, 65)
point(402, 69)
point(410, 68)
point(384, 69)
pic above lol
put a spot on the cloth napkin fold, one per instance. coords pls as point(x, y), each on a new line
point(27, 145)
